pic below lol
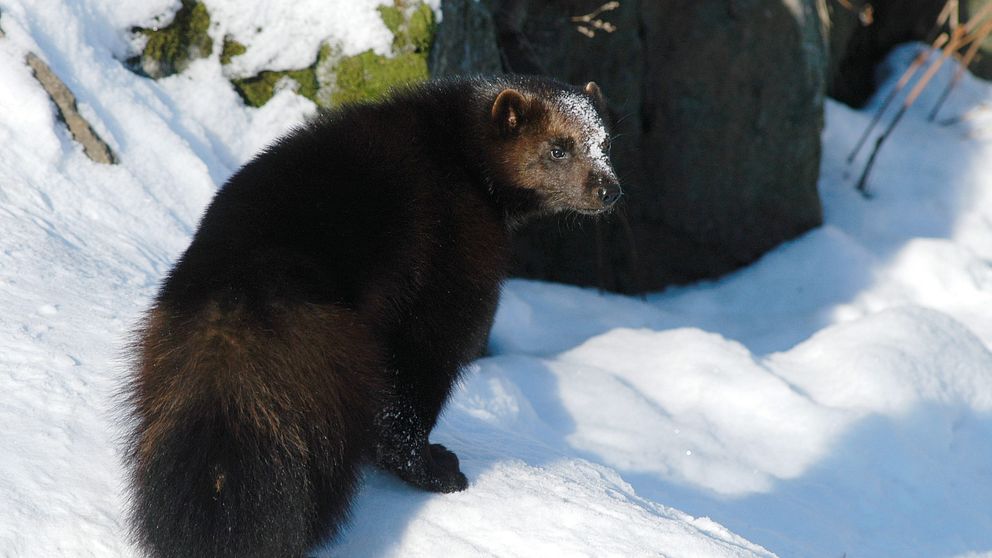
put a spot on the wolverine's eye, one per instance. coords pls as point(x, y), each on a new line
point(557, 153)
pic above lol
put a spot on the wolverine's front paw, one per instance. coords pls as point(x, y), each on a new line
point(436, 470)
point(445, 469)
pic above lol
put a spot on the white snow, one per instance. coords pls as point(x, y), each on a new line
point(581, 109)
point(832, 399)
point(264, 26)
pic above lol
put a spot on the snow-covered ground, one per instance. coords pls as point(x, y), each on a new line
point(833, 399)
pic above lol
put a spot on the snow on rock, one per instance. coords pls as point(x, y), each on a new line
point(834, 398)
point(265, 27)
point(285, 39)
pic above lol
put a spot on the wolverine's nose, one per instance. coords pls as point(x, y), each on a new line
point(609, 194)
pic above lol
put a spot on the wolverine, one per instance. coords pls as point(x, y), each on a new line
point(334, 289)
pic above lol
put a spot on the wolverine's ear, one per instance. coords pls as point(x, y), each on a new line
point(509, 110)
point(592, 90)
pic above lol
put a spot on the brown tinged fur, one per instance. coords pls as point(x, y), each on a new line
point(250, 414)
point(335, 288)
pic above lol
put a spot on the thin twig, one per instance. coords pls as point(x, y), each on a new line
point(936, 40)
point(609, 6)
point(921, 58)
point(589, 23)
point(953, 44)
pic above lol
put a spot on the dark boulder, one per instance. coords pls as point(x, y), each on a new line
point(465, 43)
point(719, 110)
point(731, 128)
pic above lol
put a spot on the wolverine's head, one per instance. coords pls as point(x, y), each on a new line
point(553, 143)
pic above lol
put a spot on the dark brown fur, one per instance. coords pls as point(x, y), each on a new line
point(335, 288)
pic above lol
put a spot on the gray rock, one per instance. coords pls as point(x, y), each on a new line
point(731, 131)
point(94, 147)
point(465, 42)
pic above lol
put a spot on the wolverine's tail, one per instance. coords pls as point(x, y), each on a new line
point(210, 488)
point(248, 432)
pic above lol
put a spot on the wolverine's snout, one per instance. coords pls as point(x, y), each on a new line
point(610, 194)
point(606, 189)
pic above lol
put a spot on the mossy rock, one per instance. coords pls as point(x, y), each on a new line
point(257, 90)
point(309, 82)
point(334, 79)
point(413, 29)
point(231, 49)
point(170, 50)
point(368, 75)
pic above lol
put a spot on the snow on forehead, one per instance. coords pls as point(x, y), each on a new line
point(582, 110)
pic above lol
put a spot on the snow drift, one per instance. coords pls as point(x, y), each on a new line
point(834, 398)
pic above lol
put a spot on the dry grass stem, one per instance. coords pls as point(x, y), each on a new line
point(974, 20)
point(921, 58)
point(957, 36)
point(971, 34)
point(937, 40)
point(979, 37)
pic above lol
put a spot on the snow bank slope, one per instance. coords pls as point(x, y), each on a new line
point(834, 398)
point(83, 247)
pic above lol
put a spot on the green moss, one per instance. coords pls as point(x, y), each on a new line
point(413, 28)
point(392, 16)
point(369, 75)
point(422, 28)
point(170, 50)
point(231, 49)
point(257, 90)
